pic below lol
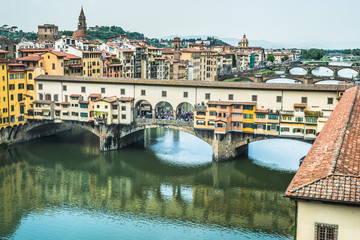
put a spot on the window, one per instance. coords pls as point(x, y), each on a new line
point(30, 87)
point(200, 122)
point(56, 97)
point(41, 96)
point(207, 96)
point(326, 231)
point(231, 96)
point(48, 97)
point(11, 86)
point(106, 107)
point(248, 107)
point(83, 114)
point(12, 108)
point(330, 100)
point(22, 109)
point(143, 92)
point(236, 115)
point(123, 108)
point(22, 76)
point(254, 98)
point(260, 115)
point(223, 107)
point(83, 89)
point(273, 116)
point(53, 66)
point(64, 88)
point(21, 86)
point(122, 91)
point(102, 90)
point(278, 98)
point(299, 119)
point(186, 94)
point(30, 76)
point(212, 113)
point(163, 93)
point(12, 97)
point(123, 116)
point(40, 86)
point(20, 97)
point(304, 100)
point(11, 76)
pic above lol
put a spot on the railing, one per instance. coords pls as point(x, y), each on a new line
point(163, 122)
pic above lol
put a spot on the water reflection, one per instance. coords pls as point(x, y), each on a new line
point(63, 178)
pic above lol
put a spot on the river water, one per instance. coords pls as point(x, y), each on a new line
point(62, 187)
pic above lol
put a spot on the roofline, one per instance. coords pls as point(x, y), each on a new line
point(322, 200)
point(201, 84)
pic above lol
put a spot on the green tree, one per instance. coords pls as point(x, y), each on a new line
point(283, 59)
point(270, 58)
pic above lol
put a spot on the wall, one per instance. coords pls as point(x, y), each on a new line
point(346, 217)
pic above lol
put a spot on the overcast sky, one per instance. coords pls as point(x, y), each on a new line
point(284, 21)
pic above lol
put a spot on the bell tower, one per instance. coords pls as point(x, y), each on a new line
point(177, 43)
point(82, 20)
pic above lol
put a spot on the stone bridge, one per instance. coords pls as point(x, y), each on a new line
point(115, 136)
point(305, 79)
point(308, 78)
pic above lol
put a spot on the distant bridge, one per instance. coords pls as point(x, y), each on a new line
point(307, 78)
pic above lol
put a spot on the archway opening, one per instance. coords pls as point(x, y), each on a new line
point(348, 73)
point(185, 112)
point(143, 109)
point(164, 110)
point(298, 71)
point(322, 72)
point(283, 80)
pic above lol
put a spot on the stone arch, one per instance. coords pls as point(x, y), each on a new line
point(164, 110)
point(298, 67)
point(348, 68)
point(296, 80)
point(327, 71)
point(185, 111)
point(143, 109)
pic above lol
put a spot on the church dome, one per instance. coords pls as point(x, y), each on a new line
point(244, 39)
point(244, 42)
point(79, 34)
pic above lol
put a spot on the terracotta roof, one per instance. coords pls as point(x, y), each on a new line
point(261, 111)
point(126, 99)
point(79, 34)
point(301, 105)
point(3, 51)
point(230, 103)
point(3, 60)
point(330, 171)
point(30, 58)
point(65, 103)
point(34, 50)
point(75, 95)
point(83, 102)
point(95, 95)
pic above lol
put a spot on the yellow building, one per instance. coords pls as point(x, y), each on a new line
point(204, 63)
point(53, 63)
point(91, 64)
point(4, 117)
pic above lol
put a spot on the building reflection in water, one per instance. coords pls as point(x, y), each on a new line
point(70, 170)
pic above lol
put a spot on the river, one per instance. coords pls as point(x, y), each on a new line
point(63, 187)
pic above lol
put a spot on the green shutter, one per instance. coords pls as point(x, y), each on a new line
point(293, 130)
point(277, 128)
point(281, 129)
point(268, 127)
point(302, 130)
point(264, 127)
point(254, 126)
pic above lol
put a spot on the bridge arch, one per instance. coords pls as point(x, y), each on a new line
point(352, 73)
point(285, 80)
point(185, 111)
point(298, 71)
point(143, 109)
point(164, 110)
point(324, 71)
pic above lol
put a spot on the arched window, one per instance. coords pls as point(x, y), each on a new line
point(30, 76)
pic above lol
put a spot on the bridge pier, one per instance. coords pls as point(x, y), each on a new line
point(230, 145)
point(115, 141)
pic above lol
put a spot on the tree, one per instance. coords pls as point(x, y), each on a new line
point(270, 58)
point(283, 59)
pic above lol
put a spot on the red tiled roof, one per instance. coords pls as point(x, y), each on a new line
point(230, 103)
point(30, 58)
point(261, 111)
point(331, 170)
point(95, 95)
point(75, 95)
point(301, 105)
point(3, 51)
point(126, 99)
point(65, 103)
point(34, 50)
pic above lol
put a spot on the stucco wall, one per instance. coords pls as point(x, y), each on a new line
point(346, 217)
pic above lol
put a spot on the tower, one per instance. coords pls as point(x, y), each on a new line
point(82, 20)
point(81, 31)
point(177, 43)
